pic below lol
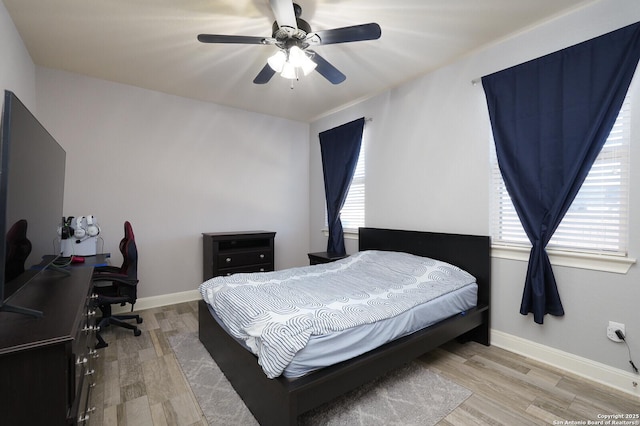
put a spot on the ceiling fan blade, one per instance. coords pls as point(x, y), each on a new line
point(283, 12)
point(327, 70)
point(361, 32)
point(233, 39)
point(264, 75)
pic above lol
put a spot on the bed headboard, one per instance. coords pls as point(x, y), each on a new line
point(469, 252)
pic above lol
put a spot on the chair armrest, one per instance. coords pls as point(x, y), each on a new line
point(115, 278)
point(106, 270)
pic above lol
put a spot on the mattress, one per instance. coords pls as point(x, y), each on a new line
point(329, 349)
point(289, 317)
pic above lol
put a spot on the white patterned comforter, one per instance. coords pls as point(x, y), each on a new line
point(275, 313)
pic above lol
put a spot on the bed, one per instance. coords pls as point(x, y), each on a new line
point(281, 400)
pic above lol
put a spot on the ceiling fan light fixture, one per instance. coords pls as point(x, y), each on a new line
point(277, 61)
point(289, 71)
point(308, 65)
point(299, 59)
point(296, 56)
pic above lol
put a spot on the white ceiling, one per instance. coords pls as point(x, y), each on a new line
point(152, 44)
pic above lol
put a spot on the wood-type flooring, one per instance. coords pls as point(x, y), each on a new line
point(139, 382)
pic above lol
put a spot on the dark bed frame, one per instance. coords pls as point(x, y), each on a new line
point(279, 401)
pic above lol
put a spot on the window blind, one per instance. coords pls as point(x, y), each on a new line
point(352, 213)
point(597, 221)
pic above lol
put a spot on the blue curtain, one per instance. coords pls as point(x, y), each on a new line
point(340, 148)
point(550, 118)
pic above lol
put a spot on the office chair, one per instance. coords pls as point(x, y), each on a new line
point(123, 287)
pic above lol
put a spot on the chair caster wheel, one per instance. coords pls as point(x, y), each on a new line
point(139, 320)
point(137, 332)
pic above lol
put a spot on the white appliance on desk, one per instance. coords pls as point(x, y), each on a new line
point(79, 236)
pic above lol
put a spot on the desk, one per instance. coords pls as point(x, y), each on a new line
point(92, 261)
point(101, 259)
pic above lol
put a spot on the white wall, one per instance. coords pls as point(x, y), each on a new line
point(428, 169)
point(175, 168)
point(17, 72)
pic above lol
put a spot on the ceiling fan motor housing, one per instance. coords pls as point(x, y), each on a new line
point(283, 33)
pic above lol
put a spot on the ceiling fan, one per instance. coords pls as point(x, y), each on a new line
point(293, 36)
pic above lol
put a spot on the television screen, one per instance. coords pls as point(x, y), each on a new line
point(32, 169)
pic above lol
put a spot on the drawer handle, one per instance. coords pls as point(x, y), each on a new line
point(261, 269)
point(261, 256)
point(93, 296)
point(90, 372)
point(90, 329)
point(228, 260)
point(91, 312)
point(85, 416)
point(81, 361)
point(94, 353)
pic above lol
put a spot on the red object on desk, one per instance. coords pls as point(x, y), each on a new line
point(77, 259)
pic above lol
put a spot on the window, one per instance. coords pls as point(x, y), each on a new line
point(352, 213)
point(597, 221)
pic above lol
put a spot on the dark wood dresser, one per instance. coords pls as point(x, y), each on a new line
point(46, 364)
point(226, 253)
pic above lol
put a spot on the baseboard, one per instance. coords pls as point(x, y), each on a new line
point(583, 367)
point(158, 301)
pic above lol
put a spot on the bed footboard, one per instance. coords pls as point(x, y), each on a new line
point(269, 400)
point(280, 401)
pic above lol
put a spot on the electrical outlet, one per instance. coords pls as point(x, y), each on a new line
point(611, 331)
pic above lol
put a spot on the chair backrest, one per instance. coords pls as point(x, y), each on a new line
point(129, 252)
point(18, 250)
point(129, 266)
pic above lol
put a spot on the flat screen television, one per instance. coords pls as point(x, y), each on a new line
point(32, 170)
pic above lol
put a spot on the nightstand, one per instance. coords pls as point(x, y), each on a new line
point(324, 257)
